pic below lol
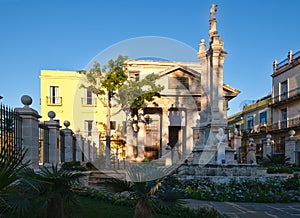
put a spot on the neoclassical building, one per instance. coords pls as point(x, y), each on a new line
point(192, 91)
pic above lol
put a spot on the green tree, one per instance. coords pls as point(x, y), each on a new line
point(111, 81)
point(106, 81)
point(134, 94)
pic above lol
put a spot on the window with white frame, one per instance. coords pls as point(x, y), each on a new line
point(88, 97)
point(88, 127)
point(54, 95)
point(250, 121)
point(263, 117)
point(283, 121)
point(284, 89)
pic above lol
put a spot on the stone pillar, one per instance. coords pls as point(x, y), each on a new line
point(68, 134)
point(237, 142)
point(291, 147)
point(30, 131)
point(141, 141)
point(85, 150)
point(130, 138)
point(267, 146)
point(89, 147)
point(165, 130)
point(78, 146)
point(54, 145)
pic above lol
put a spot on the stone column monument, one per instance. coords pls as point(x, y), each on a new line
point(212, 118)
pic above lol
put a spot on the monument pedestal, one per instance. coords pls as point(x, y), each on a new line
point(205, 155)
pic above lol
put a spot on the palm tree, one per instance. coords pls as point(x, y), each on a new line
point(50, 187)
point(145, 180)
point(11, 164)
point(275, 160)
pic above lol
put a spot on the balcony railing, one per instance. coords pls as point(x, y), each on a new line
point(287, 96)
point(54, 100)
point(92, 102)
point(284, 124)
point(286, 61)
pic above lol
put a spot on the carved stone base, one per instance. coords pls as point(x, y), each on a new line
point(203, 155)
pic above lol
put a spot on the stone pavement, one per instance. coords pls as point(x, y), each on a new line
point(247, 210)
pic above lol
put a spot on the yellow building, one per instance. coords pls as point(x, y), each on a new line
point(60, 92)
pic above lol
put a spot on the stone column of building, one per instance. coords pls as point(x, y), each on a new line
point(291, 147)
point(68, 134)
point(141, 138)
point(164, 130)
point(86, 150)
point(54, 138)
point(79, 145)
point(267, 146)
point(30, 131)
point(93, 149)
point(130, 138)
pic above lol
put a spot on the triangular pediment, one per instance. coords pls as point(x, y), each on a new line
point(180, 71)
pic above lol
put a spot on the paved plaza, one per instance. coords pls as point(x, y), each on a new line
point(245, 210)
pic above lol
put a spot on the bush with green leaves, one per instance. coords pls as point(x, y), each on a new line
point(280, 169)
point(271, 190)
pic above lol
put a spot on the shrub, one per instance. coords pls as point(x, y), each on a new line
point(280, 169)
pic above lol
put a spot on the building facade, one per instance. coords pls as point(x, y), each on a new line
point(192, 91)
point(276, 116)
point(61, 92)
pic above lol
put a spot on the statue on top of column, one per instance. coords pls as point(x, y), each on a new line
point(213, 11)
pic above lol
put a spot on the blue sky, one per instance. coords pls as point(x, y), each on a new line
point(68, 34)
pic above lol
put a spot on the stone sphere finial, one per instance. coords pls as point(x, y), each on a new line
point(51, 114)
point(268, 136)
point(66, 123)
point(202, 40)
point(292, 133)
point(26, 100)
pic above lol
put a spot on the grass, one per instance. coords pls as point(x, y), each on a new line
point(93, 208)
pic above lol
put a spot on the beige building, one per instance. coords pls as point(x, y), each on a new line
point(286, 102)
point(276, 115)
point(174, 114)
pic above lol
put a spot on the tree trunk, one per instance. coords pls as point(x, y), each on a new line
point(143, 210)
point(107, 148)
point(55, 207)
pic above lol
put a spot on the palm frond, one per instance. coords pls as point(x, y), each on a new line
point(116, 185)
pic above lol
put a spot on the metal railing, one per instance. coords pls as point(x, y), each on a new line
point(54, 100)
point(43, 143)
point(286, 61)
point(89, 101)
point(284, 124)
point(287, 95)
point(10, 129)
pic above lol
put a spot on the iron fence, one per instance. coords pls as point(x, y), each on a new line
point(43, 143)
point(10, 129)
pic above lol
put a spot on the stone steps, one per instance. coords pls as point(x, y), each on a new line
point(97, 177)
